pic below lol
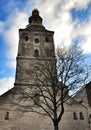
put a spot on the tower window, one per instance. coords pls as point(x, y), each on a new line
point(26, 38)
point(36, 53)
point(23, 35)
point(74, 116)
point(36, 40)
point(81, 116)
point(47, 39)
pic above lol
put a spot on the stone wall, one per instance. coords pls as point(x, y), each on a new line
point(20, 120)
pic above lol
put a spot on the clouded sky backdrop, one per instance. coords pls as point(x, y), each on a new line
point(69, 19)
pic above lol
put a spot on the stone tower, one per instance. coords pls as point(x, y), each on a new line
point(35, 44)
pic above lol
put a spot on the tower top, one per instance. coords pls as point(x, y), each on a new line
point(35, 19)
point(35, 22)
point(35, 12)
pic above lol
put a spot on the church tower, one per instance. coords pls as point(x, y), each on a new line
point(35, 43)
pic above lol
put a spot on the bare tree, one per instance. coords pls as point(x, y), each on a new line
point(53, 79)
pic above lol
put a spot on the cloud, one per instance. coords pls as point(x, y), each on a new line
point(84, 32)
point(11, 64)
point(11, 35)
point(6, 84)
point(77, 4)
point(81, 4)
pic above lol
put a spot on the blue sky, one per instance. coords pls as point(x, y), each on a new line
point(69, 19)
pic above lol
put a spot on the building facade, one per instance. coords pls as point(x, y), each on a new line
point(36, 44)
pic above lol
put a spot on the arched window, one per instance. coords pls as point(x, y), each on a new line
point(36, 53)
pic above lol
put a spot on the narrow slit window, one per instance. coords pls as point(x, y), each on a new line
point(75, 116)
point(7, 115)
point(81, 116)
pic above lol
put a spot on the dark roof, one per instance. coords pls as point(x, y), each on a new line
point(35, 18)
point(39, 28)
point(8, 93)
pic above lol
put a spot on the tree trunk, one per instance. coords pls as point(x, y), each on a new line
point(56, 126)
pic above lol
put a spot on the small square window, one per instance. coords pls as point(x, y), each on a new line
point(36, 40)
point(47, 39)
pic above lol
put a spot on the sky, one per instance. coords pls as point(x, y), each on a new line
point(69, 19)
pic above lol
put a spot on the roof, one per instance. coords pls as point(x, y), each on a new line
point(8, 93)
point(37, 28)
